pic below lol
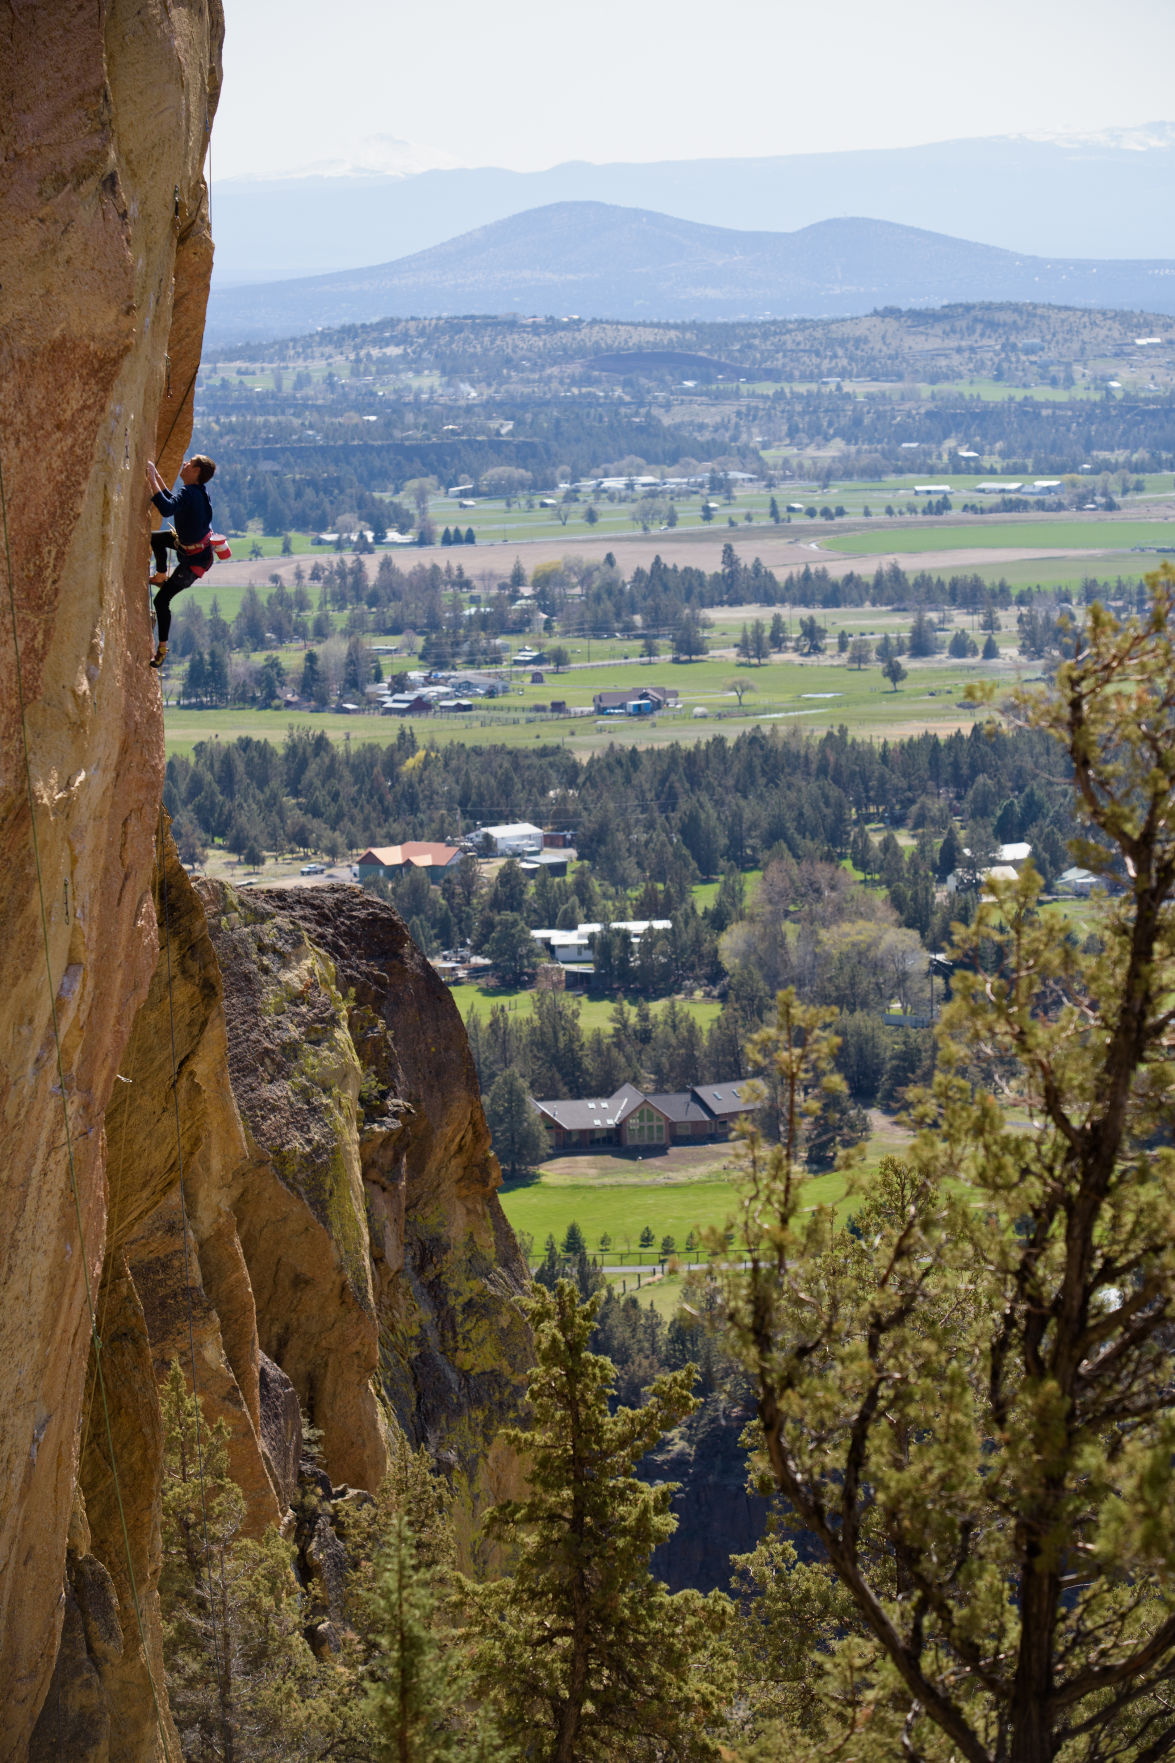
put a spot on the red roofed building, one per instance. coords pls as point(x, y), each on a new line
point(389, 860)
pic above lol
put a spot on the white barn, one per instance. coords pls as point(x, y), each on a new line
point(512, 840)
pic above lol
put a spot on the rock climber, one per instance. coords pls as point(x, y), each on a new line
point(191, 514)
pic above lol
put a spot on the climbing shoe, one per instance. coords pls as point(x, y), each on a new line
point(160, 655)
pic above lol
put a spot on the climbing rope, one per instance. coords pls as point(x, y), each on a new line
point(95, 1338)
point(179, 407)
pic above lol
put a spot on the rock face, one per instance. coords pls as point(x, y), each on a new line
point(104, 254)
point(302, 1212)
point(717, 1516)
point(280, 1177)
point(384, 1271)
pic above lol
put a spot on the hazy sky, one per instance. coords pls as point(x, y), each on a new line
point(528, 83)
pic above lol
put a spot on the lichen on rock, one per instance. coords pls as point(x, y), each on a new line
point(353, 1077)
point(285, 1181)
point(105, 254)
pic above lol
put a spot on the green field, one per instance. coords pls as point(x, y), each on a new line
point(816, 696)
point(624, 1208)
point(705, 893)
point(1094, 534)
point(623, 1211)
point(593, 1012)
point(1066, 571)
point(662, 1294)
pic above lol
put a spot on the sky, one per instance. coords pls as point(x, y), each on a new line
point(527, 84)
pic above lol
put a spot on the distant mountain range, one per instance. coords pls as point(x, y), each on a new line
point(1086, 196)
point(597, 261)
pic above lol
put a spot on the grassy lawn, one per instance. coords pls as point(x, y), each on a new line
point(661, 1292)
point(1079, 916)
point(705, 893)
point(622, 1211)
point(672, 1194)
point(593, 1012)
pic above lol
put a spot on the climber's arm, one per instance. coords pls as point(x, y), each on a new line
point(160, 495)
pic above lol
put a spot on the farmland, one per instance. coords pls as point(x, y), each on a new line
point(1055, 535)
point(819, 696)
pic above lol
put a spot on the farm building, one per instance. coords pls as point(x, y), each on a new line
point(576, 945)
point(511, 840)
point(630, 1118)
point(406, 704)
point(635, 700)
point(553, 862)
point(390, 860)
point(477, 685)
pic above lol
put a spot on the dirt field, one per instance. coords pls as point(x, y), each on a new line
point(776, 550)
point(681, 1163)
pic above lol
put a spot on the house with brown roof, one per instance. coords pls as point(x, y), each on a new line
point(633, 1119)
point(390, 860)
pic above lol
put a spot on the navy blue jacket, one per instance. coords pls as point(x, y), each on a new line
point(190, 511)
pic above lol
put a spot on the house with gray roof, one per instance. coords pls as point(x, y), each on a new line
point(631, 1119)
point(634, 700)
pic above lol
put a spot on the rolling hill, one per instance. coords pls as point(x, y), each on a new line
point(1105, 194)
point(595, 259)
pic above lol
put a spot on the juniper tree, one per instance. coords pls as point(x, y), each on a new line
point(581, 1653)
point(965, 1399)
point(517, 1132)
point(241, 1680)
point(417, 1689)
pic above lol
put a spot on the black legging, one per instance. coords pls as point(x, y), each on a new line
point(181, 577)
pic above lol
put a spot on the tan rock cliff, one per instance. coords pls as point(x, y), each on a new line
point(104, 113)
point(336, 1241)
point(389, 1284)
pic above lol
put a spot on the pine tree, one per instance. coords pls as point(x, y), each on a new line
point(311, 674)
point(583, 1655)
point(241, 1680)
point(416, 1690)
point(519, 1139)
point(401, 1597)
point(549, 1271)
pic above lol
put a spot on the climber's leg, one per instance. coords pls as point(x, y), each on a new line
point(162, 543)
point(180, 578)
